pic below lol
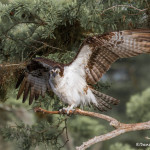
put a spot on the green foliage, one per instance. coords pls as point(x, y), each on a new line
point(139, 102)
point(42, 132)
point(20, 26)
point(63, 57)
point(85, 128)
point(55, 29)
point(120, 146)
point(27, 23)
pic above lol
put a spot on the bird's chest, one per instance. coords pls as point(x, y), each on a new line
point(69, 88)
point(60, 88)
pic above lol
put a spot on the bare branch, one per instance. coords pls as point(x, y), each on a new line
point(120, 130)
point(148, 4)
point(44, 45)
point(47, 45)
point(129, 6)
point(19, 65)
point(112, 121)
point(120, 127)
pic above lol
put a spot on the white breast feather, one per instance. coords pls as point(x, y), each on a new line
point(71, 86)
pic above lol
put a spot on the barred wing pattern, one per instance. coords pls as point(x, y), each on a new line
point(107, 48)
point(95, 56)
point(35, 80)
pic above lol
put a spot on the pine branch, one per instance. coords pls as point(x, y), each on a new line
point(120, 127)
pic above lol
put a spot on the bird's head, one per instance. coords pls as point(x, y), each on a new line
point(56, 72)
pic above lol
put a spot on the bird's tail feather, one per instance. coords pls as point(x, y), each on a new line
point(104, 101)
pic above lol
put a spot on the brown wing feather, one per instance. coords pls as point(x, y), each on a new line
point(107, 48)
point(35, 81)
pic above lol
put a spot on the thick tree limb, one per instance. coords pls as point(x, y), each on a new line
point(120, 130)
point(120, 127)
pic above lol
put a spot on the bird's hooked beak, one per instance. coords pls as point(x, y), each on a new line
point(54, 74)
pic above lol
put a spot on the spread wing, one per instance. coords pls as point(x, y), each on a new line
point(97, 53)
point(35, 80)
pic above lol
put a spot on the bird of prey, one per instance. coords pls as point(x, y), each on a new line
point(72, 82)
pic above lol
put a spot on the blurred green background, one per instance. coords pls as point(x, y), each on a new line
point(55, 29)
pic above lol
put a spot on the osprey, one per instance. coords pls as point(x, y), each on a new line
point(72, 82)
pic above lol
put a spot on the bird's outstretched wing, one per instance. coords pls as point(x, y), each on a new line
point(99, 52)
point(35, 80)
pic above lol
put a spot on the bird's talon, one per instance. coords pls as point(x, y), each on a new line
point(67, 111)
point(72, 111)
point(61, 111)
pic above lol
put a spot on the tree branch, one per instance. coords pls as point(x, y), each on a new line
point(120, 127)
point(19, 65)
point(129, 6)
point(123, 128)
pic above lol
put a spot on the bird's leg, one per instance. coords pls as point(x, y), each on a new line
point(71, 108)
point(68, 109)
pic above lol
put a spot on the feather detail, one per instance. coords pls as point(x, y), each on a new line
point(21, 89)
point(31, 95)
point(26, 91)
point(35, 80)
point(97, 53)
point(95, 57)
point(103, 100)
